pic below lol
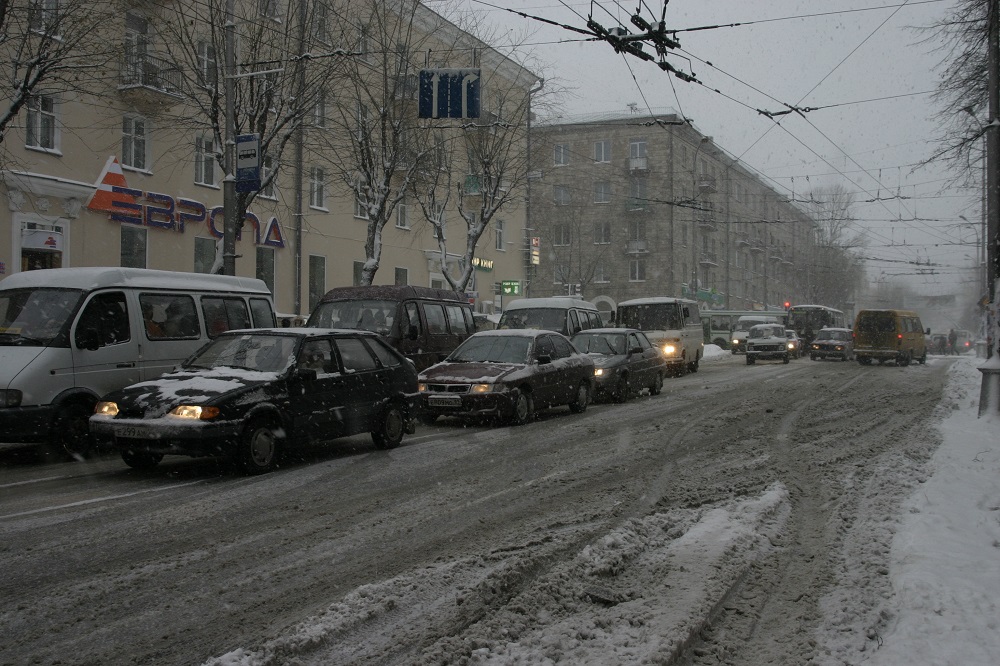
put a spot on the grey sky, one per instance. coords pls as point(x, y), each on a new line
point(869, 147)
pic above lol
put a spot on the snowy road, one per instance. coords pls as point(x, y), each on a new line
point(760, 498)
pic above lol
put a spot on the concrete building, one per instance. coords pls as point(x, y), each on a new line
point(139, 131)
point(628, 205)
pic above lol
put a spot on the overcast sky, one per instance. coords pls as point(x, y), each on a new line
point(803, 53)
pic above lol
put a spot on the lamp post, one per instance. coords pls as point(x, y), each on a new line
point(694, 219)
point(984, 277)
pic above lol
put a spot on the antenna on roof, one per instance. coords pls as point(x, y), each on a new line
point(633, 107)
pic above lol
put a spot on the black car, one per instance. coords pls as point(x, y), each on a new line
point(508, 374)
point(833, 343)
point(624, 361)
point(249, 394)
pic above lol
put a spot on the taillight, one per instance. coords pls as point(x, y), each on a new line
point(899, 335)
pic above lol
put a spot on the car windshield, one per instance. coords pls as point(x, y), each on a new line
point(546, 319)
point(600, 343)
point(833, 335)
point(262, 353)
point(368, 315)
point(747, 324)
point(492, 349)
point(37, 317)
point(763, 332)
point(651, 317)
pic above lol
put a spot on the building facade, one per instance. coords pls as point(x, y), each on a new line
point(625, 206)
point(125, 166)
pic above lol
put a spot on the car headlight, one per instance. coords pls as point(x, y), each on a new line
point(598, 372)
point(791, 345)
point(422, 388)
point(669, 349)
point(736, 341)
point(481, 388)
point(194, 412)
point(105, 408)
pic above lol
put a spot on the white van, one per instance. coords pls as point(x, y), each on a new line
point(562, 314)
point(672, 324)
point(742, 328)
point(70, 335)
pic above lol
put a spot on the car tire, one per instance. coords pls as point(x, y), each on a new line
point(522, 407)
point(71, 429)
point(694, 366)
point(141, 459)
point(720, 343)
point(258, 450)
point(657, 384)
point(579, 405)
point(812, 356)
point(785, 359)
point(750, 360)
point(864, 360)
point(903, 360)
point(682, 368)
point(389, 427)
point(622, 390)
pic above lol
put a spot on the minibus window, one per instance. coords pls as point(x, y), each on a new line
point(169, 316)
point(455, 319)
point(104, 321)
point(435, 319)
point(263, 314)
point(224, 314)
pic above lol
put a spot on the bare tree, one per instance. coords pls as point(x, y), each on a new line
point(48, 46)
point(837, 269)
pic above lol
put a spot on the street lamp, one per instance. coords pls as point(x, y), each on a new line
point(981, 249)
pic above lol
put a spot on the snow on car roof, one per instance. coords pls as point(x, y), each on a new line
point(654, 300)
point(513, 332)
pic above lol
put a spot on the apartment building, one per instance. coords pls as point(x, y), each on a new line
point(123, 163)
point(629, 205)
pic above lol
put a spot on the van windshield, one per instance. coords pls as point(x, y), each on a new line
point(651, 317)
point(367, 315)
point(37, 317)
point(546, 319)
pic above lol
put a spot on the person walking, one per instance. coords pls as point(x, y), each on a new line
point(952, 342)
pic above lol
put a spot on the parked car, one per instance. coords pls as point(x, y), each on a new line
point(794, 343)
point(833, 343)
point(889, 335)
point(562, 314)
point(767, 341)
point(251, 394)
point(508, 374)
point(625, 362)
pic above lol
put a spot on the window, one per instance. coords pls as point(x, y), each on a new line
point(602, 192)
point(107, 313)
point(269, 8)
point(385, 354)
point(403, 215)
point(224, 314)
point(204, 160)
point(599, 274)
point(133, 246)
point(208, 71)
point(360, 207)
point(456, 320)
point(263, 313)
point(204, 254)
point(319, 110)
point(364, 46)
point(41, 129)
point(637, 194)
point(602, 151)
point(44, 16)
point(560, 233)
point(637, 270)
point(498, 229)
point(265, 266)
point(317, 188)
point(169, 316)
point(637, 149)
point(134, 142)
point(637, 230)
point(560, 195)
point(317, 280)
point(560, 154)
point(267, 186)
point(602, 232)
point(355, 355)
point(359, 268)
point(435, 319)
point(402, 276)
point(320, 29)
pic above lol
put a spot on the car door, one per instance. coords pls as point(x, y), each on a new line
point(653, 356)
point(568, 368)
point(638, 363)
point(105, 348)
point(365, 392)
point(545, 376)
point(318, 407)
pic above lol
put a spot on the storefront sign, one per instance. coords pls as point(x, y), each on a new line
point(485, 265)
point(41, 239)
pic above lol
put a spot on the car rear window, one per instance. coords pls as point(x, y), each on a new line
point(876, 322)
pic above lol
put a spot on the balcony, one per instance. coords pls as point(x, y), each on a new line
point(638, 164)
point(149, 81)
point(636, 247)
point(636, 204)
point(707, 225)
point(708, 259)
point(706, 184)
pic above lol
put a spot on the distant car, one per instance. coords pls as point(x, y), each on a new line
point(794, 343)
point(767, 341)
point(625, 362)
point(833, 343)
point(507, 374)
point(938, 343)
point(250, 394)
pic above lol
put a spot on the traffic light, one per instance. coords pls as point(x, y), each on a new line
point(787, 305)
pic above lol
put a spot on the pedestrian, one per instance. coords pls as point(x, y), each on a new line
point(952, 342)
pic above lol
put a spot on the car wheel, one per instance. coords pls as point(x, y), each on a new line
point(523, 407)
point(903, 360)
point(785, 359)
point(694, 366)
point(71, 429)
point(812, 356)
point(750, 360)
point(582, 399)
point(258, 449)
point(682, 368)
point(657, 384)
point(720, 343)
point(622, 390)
point(923, 359)
point(141, 459)
point(388, 431)
point(864, 360)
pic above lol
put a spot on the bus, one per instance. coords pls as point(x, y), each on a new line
point(807, 320)
point(719, 324)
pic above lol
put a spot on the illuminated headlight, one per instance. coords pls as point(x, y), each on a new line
point(194, 412)
point(481, 388)
point(736, 341)
point(106, 409)
point(839, 348)
point(10, 398)
point(422, 388)
point(815, 346)
point(791, 345)
point(598, 372)
point(669, 349)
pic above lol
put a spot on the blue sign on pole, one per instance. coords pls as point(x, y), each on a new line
point(247, 162)
point(449, 93)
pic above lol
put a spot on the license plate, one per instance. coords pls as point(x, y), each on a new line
point(444, 400)
point(135, 432)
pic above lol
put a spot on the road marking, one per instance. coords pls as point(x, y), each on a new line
point(23, 483)
point(98, 499)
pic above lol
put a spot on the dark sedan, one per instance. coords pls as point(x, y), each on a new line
point(624, 361)
point(249, 394)
point(833, 343)
point(508, 374)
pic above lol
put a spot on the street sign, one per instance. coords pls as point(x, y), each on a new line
point(449, 93)
point(510, 288)
point(536, 250)
point(247, 162)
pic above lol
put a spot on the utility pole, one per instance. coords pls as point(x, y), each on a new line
point(989, 393)
point(229, 180)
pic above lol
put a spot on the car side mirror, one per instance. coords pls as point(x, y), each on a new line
point(543, 359)
point(89, 339)
point(305, 374)
point(412, 333)
point(928, 332)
